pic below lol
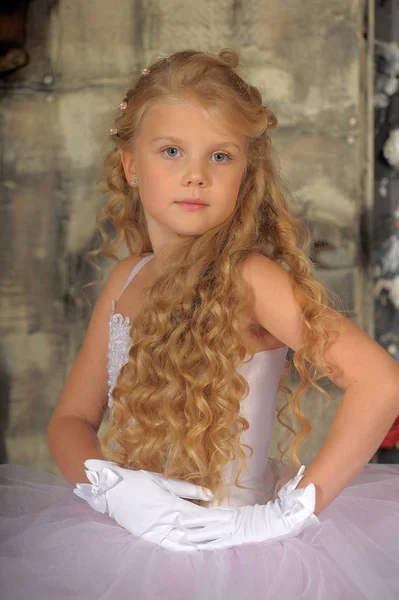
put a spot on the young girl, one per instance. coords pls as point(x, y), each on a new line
point(187, 344)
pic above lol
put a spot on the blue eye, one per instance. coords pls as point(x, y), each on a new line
point(171, 152)
point(223, 156)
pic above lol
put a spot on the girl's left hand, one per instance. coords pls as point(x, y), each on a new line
point(283, 518)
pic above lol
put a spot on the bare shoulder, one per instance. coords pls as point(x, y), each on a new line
point(277, 309)
point(262, 275)
point(85, 391)
point(258, 268)
point(120, 273)
point(275, 304)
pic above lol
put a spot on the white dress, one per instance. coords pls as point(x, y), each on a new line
point(54, 546)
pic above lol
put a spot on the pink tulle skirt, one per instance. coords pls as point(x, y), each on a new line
point(54, 546)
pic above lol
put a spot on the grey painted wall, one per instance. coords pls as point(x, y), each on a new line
point(308, 58)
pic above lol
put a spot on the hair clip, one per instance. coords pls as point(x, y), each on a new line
point(145, 71)
point(113, 131)
point(123, 105)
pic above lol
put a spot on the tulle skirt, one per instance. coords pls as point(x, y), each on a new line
point(54, 546)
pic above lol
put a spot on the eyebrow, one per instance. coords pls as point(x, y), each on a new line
point(179, 141)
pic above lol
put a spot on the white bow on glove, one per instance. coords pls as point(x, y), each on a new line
point(285, 517)
point(146, 504)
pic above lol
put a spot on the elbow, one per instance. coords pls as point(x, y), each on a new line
point(390, 390)
point(51, 434)
point(61, 426)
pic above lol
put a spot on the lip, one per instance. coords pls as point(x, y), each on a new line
point(196, 201)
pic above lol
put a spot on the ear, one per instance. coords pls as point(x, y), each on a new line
point(128, 163)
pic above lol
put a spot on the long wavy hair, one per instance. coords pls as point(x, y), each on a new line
point(176, 405)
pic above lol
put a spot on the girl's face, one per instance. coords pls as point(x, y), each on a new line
point(182, 151)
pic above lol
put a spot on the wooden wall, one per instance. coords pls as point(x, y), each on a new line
point(309, 60)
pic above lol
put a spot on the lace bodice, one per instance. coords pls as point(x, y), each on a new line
point(118, 348)
point(263, 374)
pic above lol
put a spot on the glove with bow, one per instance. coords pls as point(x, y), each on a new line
point(146, 504)
point(283, 518)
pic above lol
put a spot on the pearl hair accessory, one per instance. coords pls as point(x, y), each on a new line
point(123, 104)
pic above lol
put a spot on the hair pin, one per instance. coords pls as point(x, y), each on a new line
point(123, 105)
point(145, 71)
point(113, 131)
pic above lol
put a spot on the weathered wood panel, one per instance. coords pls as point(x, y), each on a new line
point(305, 57)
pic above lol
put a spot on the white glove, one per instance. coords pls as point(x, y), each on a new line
point(146, 504)
point(285, 517)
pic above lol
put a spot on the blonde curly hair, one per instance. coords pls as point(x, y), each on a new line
point(176, 405)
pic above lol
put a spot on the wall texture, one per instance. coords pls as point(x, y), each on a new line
point(306, 57)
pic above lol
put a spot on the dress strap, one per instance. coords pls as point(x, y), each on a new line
point(135, 270)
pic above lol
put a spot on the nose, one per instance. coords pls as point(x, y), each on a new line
point(195, 175)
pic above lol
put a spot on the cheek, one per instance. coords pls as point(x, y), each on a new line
point(157, 183)
point(154, 174)
point(154, 191)
point(235, 180)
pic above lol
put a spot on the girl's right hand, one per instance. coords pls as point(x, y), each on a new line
point(146, 504)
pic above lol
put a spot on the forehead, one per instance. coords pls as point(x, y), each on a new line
point(187, 118)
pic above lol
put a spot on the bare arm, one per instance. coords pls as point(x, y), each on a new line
point(367, 373)
point(71, 441)
point(72, 430)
